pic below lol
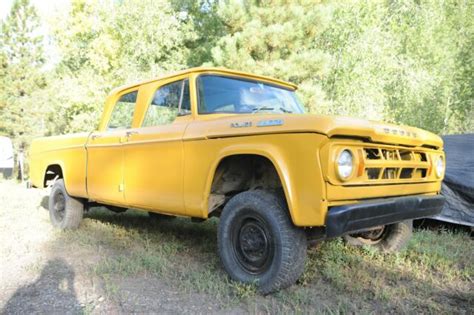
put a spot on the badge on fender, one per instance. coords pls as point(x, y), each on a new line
point(270, 122)
point(241, 124)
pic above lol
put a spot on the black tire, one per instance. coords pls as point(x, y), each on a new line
point(65, 211)
point(391, 238)
point(258, 242)
point(160, 217)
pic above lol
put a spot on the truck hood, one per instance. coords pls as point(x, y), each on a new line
point(238, 125)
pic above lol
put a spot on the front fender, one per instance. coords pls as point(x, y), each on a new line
point(294, 156)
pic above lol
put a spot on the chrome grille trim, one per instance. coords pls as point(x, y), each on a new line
point(393, 164)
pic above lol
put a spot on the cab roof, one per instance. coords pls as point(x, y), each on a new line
point(204, 70)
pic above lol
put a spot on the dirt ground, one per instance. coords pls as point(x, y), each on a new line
point(126, 263)
point(42, 274)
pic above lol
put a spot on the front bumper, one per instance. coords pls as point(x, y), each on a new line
point(350, 218)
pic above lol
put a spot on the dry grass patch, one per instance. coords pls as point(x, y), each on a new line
point(137, 261)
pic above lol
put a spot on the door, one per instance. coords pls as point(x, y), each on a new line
point(153, 167)
point(105, 153)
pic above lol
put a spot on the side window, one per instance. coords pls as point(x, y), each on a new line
point(169, 101)
point(122, 114)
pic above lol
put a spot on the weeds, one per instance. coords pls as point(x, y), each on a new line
point(184, 254)
point(434, 274)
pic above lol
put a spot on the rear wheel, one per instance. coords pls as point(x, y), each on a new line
point(258, 243)
point(65, 211)
point(387, 238)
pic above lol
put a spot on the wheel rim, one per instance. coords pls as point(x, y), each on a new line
point(59, 206)
point(252, 244)
point(371, 237)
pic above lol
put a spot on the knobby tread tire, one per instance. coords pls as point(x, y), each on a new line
point(290, 241)
point(395, 239)
point(398, 237)
point(74, 208)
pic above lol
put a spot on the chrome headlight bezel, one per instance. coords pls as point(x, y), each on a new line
point(440, 167)
point(345, 164)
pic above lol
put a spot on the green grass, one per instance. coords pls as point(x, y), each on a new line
point(435, 274)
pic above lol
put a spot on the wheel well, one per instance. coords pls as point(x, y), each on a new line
point(238, 173)
point(53, 172)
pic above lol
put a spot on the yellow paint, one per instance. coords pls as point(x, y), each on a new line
point(170, 168)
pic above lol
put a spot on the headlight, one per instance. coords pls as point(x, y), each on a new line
point(345, 164)
point(439, 166)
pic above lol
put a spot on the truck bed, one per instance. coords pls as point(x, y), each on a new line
point(60, 150)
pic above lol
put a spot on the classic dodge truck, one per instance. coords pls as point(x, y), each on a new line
point(215, 142)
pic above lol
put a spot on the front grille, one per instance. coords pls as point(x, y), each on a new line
point(393, 164)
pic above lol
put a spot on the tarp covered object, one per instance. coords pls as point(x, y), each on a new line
point(458, 184)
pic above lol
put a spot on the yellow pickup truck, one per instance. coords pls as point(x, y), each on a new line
point(216, 142)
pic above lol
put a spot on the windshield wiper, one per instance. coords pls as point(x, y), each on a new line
point(264, 107)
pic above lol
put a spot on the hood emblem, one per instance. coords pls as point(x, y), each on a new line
point(241, 124)
point(270, 122)
point(400, 132)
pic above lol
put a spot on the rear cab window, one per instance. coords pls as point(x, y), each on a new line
point(122, 114)
point(168, 102)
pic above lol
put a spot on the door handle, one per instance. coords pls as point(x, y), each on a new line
point(93, 137)
point(129, 133)
point(125, 138)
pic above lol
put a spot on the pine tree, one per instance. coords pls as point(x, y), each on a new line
point(21, 50)
point(207, 24)
point(276, 38)
point(407, 62)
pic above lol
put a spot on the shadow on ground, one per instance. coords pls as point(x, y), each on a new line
point(45, 203)
point(440, 226)
point(200, 236)
point(52, 292)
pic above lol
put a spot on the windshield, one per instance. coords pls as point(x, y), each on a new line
point(220, 94)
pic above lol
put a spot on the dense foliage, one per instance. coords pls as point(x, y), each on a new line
point(404, 61)
point(21, 59)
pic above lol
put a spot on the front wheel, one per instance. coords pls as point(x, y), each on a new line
point(258, 242)
point(388, 238)
point(65, 211)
